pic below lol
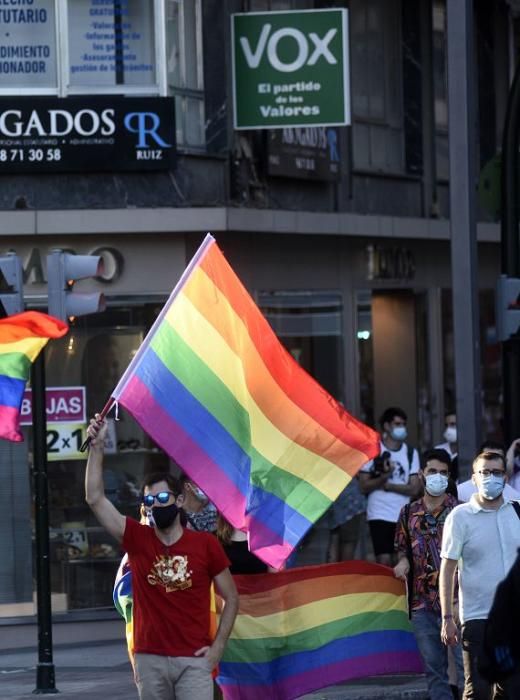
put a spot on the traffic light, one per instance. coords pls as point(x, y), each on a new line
point(508, 307)
point(63, 269)
point(11, 284)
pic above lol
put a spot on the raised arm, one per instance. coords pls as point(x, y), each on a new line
point(103, 509)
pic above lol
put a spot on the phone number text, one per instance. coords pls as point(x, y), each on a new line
point(32, 155)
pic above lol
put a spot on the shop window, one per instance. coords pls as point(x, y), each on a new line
point(309, 325)
point(375, 41)
point(94, 355)
point(116, 47)
point(28, 51)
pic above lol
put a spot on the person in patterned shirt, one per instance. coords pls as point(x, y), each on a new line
point(418, 540)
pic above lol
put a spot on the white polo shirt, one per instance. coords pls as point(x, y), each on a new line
point(485, 543)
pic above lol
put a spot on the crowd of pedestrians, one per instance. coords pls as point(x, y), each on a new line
point(452, 542)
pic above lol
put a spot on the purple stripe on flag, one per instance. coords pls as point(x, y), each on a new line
point(297, 685)
point(167, 433)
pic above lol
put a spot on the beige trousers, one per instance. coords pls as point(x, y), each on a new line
point(173, 677)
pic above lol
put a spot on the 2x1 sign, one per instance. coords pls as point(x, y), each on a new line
point(290, 69)
point(78, 134)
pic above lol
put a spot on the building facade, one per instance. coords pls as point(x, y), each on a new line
point(341, 234)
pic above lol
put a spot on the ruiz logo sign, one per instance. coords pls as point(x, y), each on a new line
point(290, 69)
point(146, 125)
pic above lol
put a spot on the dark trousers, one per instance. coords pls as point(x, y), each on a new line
point(476, 687)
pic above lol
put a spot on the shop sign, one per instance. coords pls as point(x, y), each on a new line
point(390, 263)
point(64, 441)
point(62, 405)
point(311, 153)
point(79, 134)
point(290, 69)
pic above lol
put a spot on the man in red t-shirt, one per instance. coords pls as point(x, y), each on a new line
point(172, 572)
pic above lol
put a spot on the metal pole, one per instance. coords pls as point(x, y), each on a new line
point(510, 253)
point(464, 263)
point(45, 681)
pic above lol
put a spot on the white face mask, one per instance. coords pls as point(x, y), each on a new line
point(399, 433)
point(450, 434)
point(436, 484)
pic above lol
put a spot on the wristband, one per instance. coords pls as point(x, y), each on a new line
point(447, 617)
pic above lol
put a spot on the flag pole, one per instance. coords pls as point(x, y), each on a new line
point(208, 240)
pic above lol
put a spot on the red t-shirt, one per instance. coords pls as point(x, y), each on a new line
point(171, 589)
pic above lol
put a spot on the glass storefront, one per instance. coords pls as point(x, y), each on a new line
point(94, 355)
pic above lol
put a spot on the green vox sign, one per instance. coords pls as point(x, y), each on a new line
point(290, 69)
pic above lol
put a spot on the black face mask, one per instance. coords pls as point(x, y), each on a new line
point(164, 516)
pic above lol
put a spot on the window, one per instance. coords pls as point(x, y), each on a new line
point(184, 69)
point(84, 46)
point(116, 47)
point(440, 88)
point(375, 38)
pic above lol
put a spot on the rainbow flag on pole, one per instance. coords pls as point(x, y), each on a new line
point(303, 629)
point(213, 386)
point(22, 336)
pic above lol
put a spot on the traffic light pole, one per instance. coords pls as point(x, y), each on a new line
point(45, 680)
point(510, 253)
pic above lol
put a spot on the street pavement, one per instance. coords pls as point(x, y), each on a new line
point(99, 670)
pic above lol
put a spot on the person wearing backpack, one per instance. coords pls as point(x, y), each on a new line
point(480, 539)
point(418, 539)
point(389, 481)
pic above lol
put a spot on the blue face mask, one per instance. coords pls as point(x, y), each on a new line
point(491, 487)
point(436, 484)
point(399, 433)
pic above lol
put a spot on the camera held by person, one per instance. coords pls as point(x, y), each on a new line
point(381, 465)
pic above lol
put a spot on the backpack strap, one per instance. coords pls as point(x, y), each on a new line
point(410, 452)
point(516, 506)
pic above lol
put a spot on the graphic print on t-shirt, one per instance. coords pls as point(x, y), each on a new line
point(399, 474)
point(171, 572)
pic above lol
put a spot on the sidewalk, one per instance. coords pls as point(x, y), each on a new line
point(101, 670)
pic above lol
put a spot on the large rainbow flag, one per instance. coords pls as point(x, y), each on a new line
point(22, 336)
point(303, 629)
point(213, 386)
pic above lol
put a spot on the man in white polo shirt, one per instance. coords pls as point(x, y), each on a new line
point(481, 539)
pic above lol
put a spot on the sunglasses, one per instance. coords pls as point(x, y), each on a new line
point(162, 497)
